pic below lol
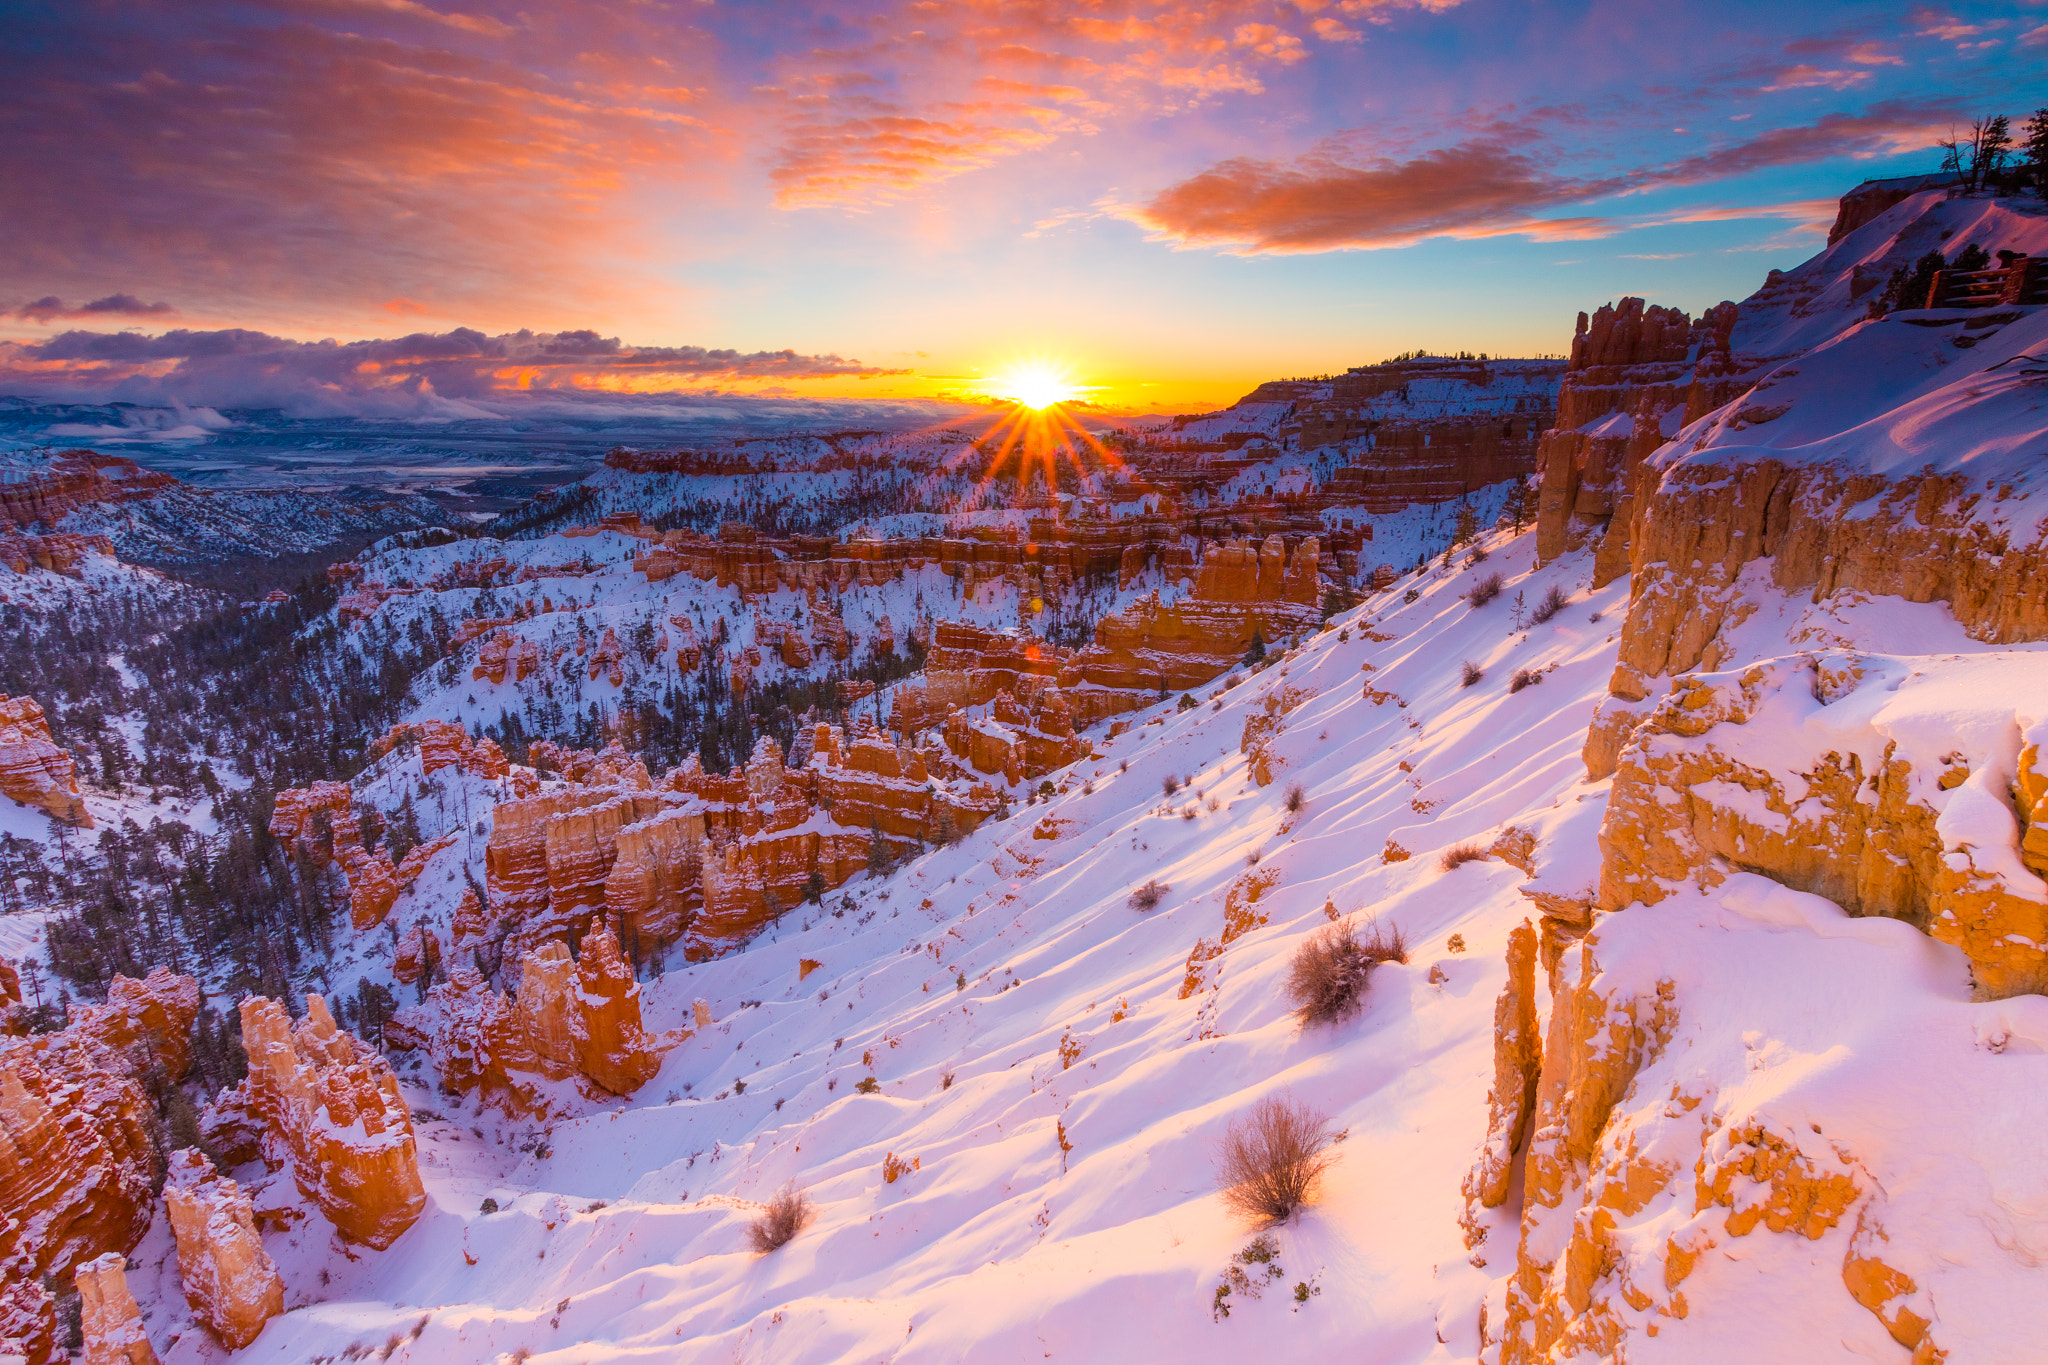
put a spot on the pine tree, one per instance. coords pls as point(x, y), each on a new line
point(1468, 525)
point(2034, 149)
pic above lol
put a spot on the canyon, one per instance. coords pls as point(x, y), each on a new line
point(1676, 707)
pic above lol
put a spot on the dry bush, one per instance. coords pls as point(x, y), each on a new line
point(1524, 677)
point(1169, 784)
point(1148, 896)
point(1469, 673)
point(1485, 590)
point(1296, 798)
point(1553, 602)
point(1328, 976)
point(787, 1214)
point(1384, 943)
point(1271, 1160)
point(1457, 855)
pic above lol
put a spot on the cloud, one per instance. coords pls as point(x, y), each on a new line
point(1819, 212)
point(1476, 189)
point(425, 373)
point(50, 308)
point(1482, 187)
point(1807, 76)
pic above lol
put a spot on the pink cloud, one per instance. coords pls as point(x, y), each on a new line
point(1482, 187)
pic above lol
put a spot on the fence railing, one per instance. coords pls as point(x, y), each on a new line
point(2023, 280)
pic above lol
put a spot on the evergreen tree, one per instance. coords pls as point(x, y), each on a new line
point(2034, 149)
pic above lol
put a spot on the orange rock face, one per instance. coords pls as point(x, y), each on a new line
point(504, 656)
point(33, 770)
point(320, 820)
point(77, 1162)
point(445, 744)
point(229, 1279)
point(108, 1314)
point(1631, 367)
point(331, 1107)
point(60, 552)
point(1517, 1062)
point(570, 1020)
point(1848, 819)
point(76, 479)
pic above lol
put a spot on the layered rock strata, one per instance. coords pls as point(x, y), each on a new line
point(229, 1279)
point(320, 821)
point(78, 1160)
point(570, 1020)
point(330, 1107)
point(110, 1319)
point(1890, 785)
point(33, 770)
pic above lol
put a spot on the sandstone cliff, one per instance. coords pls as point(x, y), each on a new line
point(109, 1316)
point(229, 1279)
point(33, 770)
point(569, 1020)
point(331, 1108)
point(78, 1157)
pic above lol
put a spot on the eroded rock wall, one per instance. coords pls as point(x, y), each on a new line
point(331, 1108)
point(1894, 786)
point(33, 770)
point(229, 1279)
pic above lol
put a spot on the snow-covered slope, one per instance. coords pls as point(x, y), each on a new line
point(1056, 1066)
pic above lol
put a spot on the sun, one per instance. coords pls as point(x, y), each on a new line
point(1038, 385)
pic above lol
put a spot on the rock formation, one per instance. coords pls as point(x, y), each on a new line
point(1636, 374)
point(61, 552)
point(229, 1279)
point(331, 1108)
point(1820, 775)
point(570, 1020)
point(445, 744)
point(75, 479)
point(77, 1157)
point(1517, 1058)
point(108, 1313)
point(320, 821)
point(33, 770)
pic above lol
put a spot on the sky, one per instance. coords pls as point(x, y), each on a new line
point(435, 206)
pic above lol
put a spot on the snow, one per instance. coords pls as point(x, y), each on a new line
point(1111, 1251)
point(1058, 1065)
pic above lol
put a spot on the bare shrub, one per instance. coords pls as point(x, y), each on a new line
point(786, 1216)
point(1330, 971)
point(1524, 677)
point(1551, 604)
point(1148, 896)
point(1384, 943)
point(1296, 798)
point(1485, 590)
point(1469, 673)
point(1271, 1160)
point(1169, 784)
point(1457, 855)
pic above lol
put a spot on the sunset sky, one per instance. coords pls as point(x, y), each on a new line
point(1172, 200)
